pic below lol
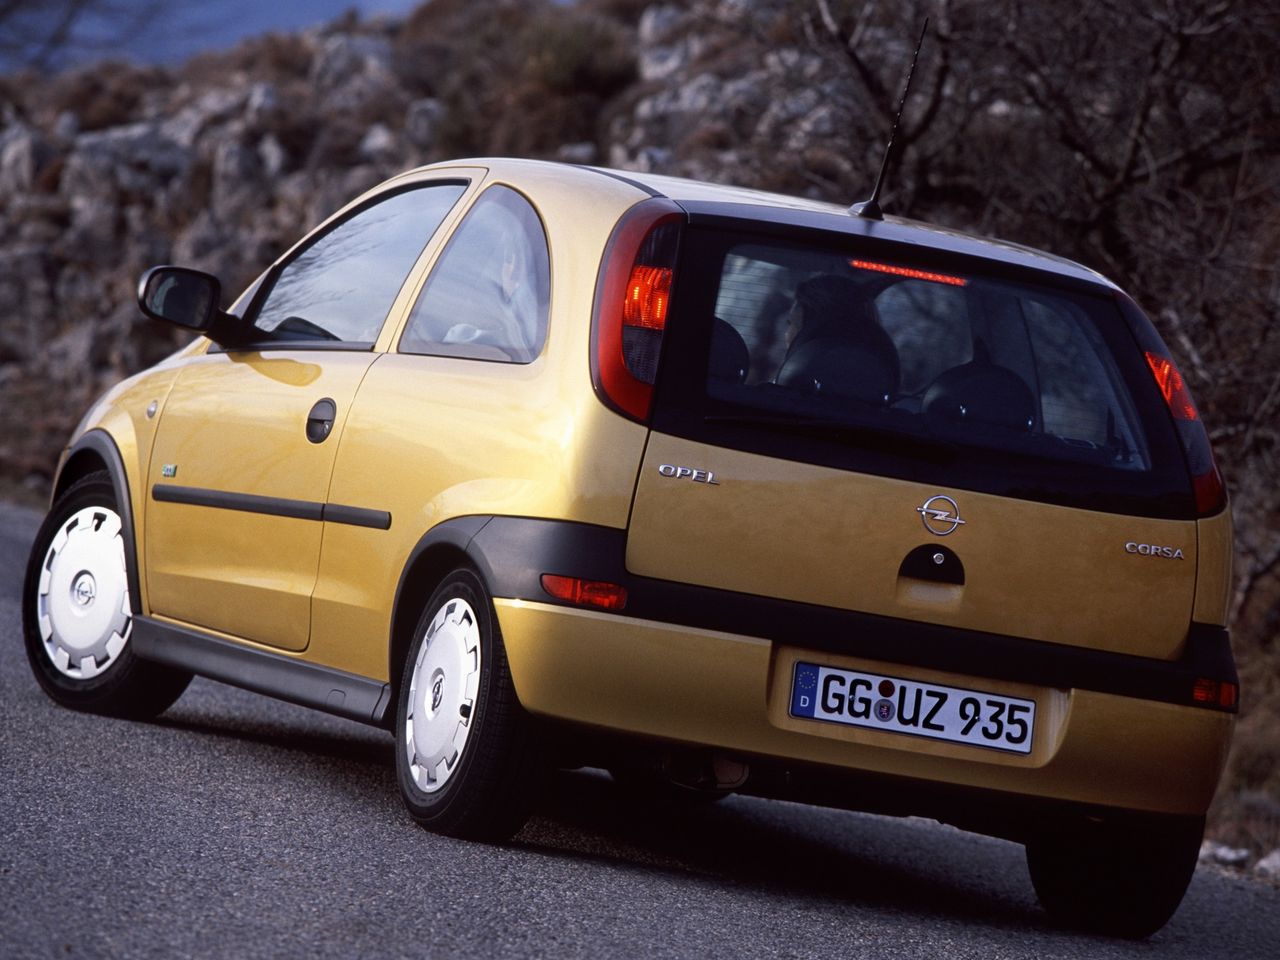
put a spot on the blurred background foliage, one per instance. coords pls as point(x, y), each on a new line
point(1140, 138)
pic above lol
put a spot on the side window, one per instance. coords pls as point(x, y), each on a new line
point(342, 284)
point(489, 295)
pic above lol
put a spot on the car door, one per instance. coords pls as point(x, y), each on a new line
point(246, 442)
point(450, 423)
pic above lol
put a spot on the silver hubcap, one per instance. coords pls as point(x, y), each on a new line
point(442, 695)
point(82, 600)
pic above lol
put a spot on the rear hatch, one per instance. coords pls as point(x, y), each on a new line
point(879, 427)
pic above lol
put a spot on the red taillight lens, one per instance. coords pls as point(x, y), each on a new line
point(1172, 387)
point(1215, 693)
point(585, 593)
point(648, 295)
point(1210, 492)
point(633, 302)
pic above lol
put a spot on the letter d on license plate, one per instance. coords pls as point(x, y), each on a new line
point(916, 709)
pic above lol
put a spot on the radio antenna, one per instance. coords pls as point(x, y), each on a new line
point(870, 209)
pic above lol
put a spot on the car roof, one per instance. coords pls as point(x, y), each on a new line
point(700, 198)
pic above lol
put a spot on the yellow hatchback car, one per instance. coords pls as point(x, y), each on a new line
point(719, 490)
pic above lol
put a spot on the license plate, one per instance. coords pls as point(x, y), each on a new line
point(907, 706)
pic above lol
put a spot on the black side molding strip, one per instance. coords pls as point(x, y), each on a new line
point(272, 506)
point(247, 502)
point(356, 516)
point(276, 675)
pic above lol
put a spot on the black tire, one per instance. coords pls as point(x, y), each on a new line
point(88, 663)
point(488, 788)
point(1122, 879)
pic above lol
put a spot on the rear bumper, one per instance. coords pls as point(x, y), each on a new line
point(730, 692)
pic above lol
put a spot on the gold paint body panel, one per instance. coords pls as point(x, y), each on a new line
point(245, 573)
point(731, 693)
point(834, 538)
point(1213, 584)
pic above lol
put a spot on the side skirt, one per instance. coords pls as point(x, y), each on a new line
point(323, 688)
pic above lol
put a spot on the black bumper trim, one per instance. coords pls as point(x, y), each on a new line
point(512, 554)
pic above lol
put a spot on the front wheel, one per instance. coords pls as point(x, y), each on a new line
point(77, 613)
point(464, 748)
point(1121, 879)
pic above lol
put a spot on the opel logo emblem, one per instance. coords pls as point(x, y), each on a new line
point(940, 514)
point(437, 693)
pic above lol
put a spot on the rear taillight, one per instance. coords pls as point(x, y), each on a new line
point(1210, 492)
point(633, 301)
point(1222, 694)
point(585, 593)
point(1206, 481)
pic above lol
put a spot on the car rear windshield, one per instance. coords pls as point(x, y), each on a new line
point(944, 369)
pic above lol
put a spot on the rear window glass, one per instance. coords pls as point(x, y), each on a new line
point(818, 336)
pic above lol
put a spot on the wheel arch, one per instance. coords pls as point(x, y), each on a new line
point(441, 549)
point(95, 451)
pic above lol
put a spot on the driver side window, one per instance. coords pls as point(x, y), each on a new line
point(342, 284)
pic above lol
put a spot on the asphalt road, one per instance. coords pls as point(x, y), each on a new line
point(236, 826)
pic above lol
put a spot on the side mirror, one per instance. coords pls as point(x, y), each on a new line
point(181, 296)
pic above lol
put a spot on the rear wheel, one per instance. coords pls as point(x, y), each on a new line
point(77, 613)
point(1123, 879)
point(464, 747)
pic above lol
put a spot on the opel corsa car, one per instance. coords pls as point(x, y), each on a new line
point(720, 490)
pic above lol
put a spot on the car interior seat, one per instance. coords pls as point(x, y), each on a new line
point(730, 357)
point(982, 392)
point(841, 368)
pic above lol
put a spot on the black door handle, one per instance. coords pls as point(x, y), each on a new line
point(320, 420)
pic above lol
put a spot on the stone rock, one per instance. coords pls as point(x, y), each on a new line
point(262, 105)
point(1213, 852)
point(67, 126)
point(353, 73)
point(71, 355)
point(188, 123)
point(200, 245)
point(1269, 866)
point(26, 301)
point(663, 51)
point(422, 121)
point(272, 155)
point(584, 153)
point(378, 144)
point(23, 154)
point(134, 158)
point(343, 57)
point(237, 175)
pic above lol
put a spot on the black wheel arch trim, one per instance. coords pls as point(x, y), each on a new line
point(512, 553)
point(454, 535)
point(101, 443)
